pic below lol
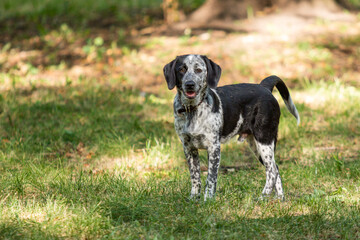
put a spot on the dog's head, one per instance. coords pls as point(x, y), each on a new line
point(192, 74)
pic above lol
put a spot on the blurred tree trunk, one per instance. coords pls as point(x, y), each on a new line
point(171, 11)
point(227, 9)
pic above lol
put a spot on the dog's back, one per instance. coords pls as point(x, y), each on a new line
point(246, 109)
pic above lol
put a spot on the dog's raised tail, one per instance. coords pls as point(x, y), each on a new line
point(272, 81)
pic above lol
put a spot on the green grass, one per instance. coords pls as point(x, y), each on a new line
point(85, 158)
point(87, 161)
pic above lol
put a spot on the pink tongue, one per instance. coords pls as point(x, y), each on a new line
point(191, 94)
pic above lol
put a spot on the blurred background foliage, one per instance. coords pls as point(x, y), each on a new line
point(83, 12)
point(107, 12)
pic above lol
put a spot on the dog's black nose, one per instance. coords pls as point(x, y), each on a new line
point(190, 84)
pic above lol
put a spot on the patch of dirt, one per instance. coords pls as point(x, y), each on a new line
point(293, 46)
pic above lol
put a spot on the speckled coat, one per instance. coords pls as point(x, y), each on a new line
point(206, 116)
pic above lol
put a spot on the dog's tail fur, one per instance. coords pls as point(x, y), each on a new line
point(272, 81)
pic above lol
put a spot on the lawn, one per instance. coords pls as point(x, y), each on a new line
point(88, 148)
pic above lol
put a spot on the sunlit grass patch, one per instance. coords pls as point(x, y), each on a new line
point(90, 160)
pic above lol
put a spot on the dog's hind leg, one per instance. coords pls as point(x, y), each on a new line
point(273, 179)
point(192, 157)
point(278, 186)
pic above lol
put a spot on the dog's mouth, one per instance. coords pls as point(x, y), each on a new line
point(190, 94)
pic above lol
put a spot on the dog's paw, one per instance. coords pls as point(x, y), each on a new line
point(263, 198)
point(280, 197)
point(266, 198)
point(195, 198)
point(209, 197)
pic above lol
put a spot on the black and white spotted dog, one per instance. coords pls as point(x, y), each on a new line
point(206, 116)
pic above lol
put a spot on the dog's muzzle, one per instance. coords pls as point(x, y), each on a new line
point(190, 89)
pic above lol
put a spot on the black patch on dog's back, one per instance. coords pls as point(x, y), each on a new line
point(253, 102)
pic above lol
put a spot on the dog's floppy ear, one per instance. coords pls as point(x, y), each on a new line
point(169, 73)
point(213, 72)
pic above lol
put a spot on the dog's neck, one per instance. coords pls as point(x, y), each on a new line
point(190, 106)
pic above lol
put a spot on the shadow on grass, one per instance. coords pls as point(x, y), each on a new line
point(55, 122)
point(13, 230)
point(206, 221)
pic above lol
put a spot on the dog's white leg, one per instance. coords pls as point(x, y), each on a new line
point(272, 172)
point(213, 169)
point(278, 187)
point(192, 157)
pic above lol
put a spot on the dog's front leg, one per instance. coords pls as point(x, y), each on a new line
point(192, 157)
point(213, 169)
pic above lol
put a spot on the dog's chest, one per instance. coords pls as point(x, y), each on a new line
point(199, 128)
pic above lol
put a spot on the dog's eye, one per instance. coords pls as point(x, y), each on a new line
point(182, 70)
point(198, 70)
